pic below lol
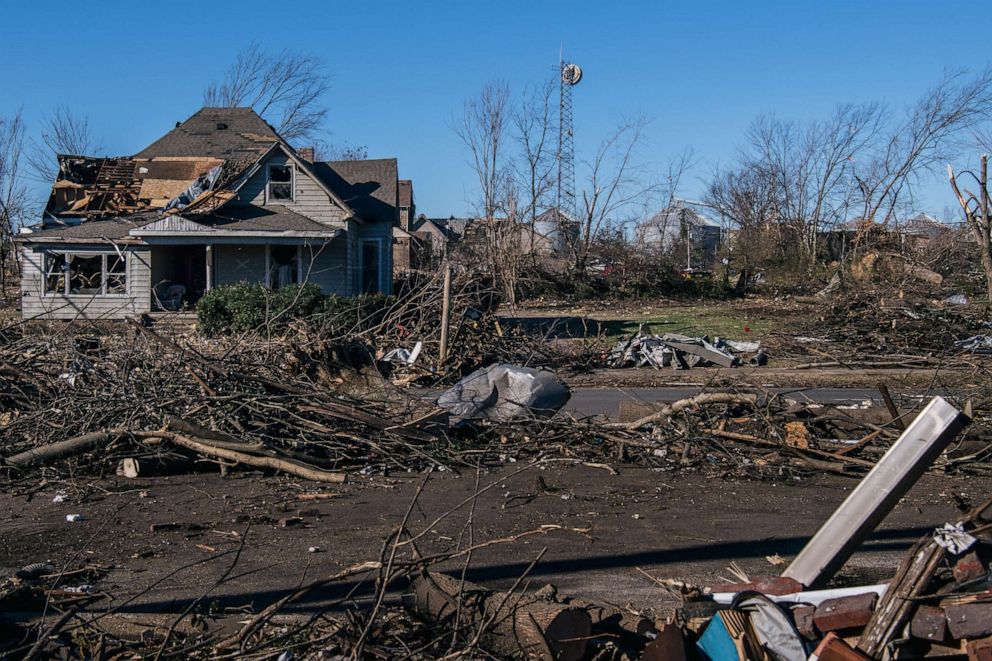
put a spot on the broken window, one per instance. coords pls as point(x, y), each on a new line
point(85, 274)
point(116, 274)
point(54, 273)
point(280, 183)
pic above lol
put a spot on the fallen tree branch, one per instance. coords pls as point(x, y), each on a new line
point(689, 402)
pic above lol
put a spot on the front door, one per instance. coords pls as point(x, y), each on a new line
point(370, 267)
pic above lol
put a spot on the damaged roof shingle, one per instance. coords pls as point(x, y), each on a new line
point(218, 132)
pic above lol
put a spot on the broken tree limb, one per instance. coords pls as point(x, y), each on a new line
point(891, 406)
point(290, 466)
point(521, 624)
point(689, 402)
point(62, 449)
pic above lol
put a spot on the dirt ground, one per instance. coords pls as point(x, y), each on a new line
point(669, 525)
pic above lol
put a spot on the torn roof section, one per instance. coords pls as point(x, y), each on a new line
point(198, 167)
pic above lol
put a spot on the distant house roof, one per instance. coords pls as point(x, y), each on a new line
point(217, 132)
point(369, 187)
point(555, 215)
point(694, 213)
point(923, 224)
point(453, 228)
point(406, 193)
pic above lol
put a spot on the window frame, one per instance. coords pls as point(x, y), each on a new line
point(68, 255)
point(269, 199)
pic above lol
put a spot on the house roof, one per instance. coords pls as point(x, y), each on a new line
point(693, 213)
point(405, 193)
point(91, 230)
point(368, 187)
point(243, 223)
point(217, 132)
point(452, 227)
point(271, 218)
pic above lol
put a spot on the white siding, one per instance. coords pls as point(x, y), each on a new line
point(310, 199)
point(36, 304)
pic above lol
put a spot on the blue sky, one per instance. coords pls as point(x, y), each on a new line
point(401, 70)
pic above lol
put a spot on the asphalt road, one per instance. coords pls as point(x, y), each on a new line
point(606, 401)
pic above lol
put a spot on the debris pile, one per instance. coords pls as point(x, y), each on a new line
point(682, 352)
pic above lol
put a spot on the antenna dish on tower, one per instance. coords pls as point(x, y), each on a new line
point(571, 74)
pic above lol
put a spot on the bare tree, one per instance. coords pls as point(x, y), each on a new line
point(746, 196)
point(977, 214)
point(284, 88)
point(482, 129)
point(62, 132)
point(923, 139)
point(614, 188)
point(13, 194)
point(809, 167)
point(534, 131)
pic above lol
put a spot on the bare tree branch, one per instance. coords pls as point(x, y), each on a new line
point(284, 88)
point(62, 132)
point(13, 195)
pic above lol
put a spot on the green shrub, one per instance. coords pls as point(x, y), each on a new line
point(248, 307)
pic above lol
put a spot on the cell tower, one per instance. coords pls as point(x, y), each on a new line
point(570, 75)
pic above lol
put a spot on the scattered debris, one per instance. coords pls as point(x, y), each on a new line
point(680, 352)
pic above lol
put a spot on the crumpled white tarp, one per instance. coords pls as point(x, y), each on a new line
point(505, 392)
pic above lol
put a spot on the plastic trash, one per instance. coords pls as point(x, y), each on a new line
point(505, 392)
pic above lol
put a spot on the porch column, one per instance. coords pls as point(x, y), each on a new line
point(268, 266)
point(210, 266)
point(299, 264)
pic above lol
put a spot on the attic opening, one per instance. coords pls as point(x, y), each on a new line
point(280, 186)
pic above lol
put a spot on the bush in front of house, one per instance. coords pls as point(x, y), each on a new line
point(250, 307)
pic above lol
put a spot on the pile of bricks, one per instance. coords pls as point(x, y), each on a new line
point(950, 617)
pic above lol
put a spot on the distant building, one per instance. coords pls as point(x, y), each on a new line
point(687, 224)
point(403, 239)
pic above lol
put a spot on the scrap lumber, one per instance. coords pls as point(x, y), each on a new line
point(896, 606)
point(515, 623)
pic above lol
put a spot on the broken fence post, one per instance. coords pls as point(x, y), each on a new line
point(877, 493)
point(445, 317)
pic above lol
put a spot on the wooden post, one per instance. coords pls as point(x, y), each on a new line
point(445, 313)
point(299, 264)
point(210, 267)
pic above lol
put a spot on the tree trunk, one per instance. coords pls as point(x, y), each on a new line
point(516, 624)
